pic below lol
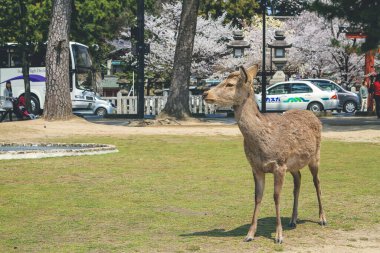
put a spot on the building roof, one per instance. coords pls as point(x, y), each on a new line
point(279, 41)
point(279, 44)
point(238, 44)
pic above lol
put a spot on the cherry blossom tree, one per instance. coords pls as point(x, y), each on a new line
point(163, 31)
point(210, 54)
point(254, 35)
point(317, 46)
point(177, 104)
point(210, 40)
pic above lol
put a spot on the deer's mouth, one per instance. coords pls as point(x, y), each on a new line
point(210, 101)
point(209, 98)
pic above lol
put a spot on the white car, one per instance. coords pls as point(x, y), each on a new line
point(302, 95)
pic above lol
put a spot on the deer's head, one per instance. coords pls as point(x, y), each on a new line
point(233, 90)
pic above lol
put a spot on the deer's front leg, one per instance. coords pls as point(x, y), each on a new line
point(259, 191)
point(279, 177)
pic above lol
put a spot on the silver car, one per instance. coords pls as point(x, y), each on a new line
point(348, 101)
point(98, 106)
point(102, 107)
point(302, 95)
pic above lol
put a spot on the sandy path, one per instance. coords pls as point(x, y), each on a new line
point(22, 131)
point(356, 241)
point(37, 129)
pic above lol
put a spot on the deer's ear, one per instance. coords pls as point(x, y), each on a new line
point(243, 74)
point(252, 71)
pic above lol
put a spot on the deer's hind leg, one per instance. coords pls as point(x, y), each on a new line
point(314, 166)
point(297, 184)
point(279, 178)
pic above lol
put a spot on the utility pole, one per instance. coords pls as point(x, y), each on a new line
point(24, 56)
point(140, 58)
point(263, 74)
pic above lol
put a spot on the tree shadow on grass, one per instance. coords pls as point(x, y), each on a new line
point(265, 227)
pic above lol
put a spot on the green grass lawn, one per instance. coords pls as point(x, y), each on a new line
point(174, 194)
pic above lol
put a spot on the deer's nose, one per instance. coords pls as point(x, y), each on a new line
point(205, 94)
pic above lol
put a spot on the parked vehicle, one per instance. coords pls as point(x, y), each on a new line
point(302, 95)
point(209, 82)
point(98, 107)
point(82, 76)
point(197, 88)
point(348, 101)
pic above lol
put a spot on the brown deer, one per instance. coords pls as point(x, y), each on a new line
point(273, 143)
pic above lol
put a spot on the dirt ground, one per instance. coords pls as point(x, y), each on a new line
point(359, 240)
point(22, 131)
point(356, 241)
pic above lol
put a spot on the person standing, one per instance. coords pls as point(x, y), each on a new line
point(8, 94)
point(376, 93)
point(364, 95)
point(8, 104)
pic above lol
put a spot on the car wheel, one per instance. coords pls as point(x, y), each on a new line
point(315, 107)
point(349, 106)
point(101, 111)
point(35, 103)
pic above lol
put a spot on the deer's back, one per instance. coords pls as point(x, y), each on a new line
point(292, 138)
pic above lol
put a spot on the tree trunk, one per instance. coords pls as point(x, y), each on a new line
point(177, 105)
point(57, 100)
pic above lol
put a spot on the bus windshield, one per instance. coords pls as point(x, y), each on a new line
point(84, 78)
point(82, 57)
point(83, 67)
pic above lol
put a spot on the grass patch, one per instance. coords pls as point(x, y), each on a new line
point(173, 194)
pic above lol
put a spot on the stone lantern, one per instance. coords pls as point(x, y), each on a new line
point(280, 58)
point(238, 44)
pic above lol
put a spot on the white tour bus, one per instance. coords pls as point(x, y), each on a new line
point(81, 78)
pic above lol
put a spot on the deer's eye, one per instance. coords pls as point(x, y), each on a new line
point(229, 85)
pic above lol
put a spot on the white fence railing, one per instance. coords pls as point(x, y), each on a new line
point(155, 104)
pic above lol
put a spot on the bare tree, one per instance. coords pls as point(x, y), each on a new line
point(177, 105)
point(57, 99)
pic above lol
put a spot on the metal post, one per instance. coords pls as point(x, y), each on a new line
point(140, 50)
point(263, 74)
point(271, 62)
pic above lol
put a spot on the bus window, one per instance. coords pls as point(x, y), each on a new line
point(3, 58)
point(15, 60)
point(38, 58)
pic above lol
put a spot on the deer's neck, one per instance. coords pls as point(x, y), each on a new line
point(249, 119)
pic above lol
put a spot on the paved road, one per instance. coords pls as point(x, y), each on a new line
point(351, 121)
point(337, 119)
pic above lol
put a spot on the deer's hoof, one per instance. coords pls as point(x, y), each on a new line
point(292, 224)
point(248, 239)
point(323, 223)
point(279, 240)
